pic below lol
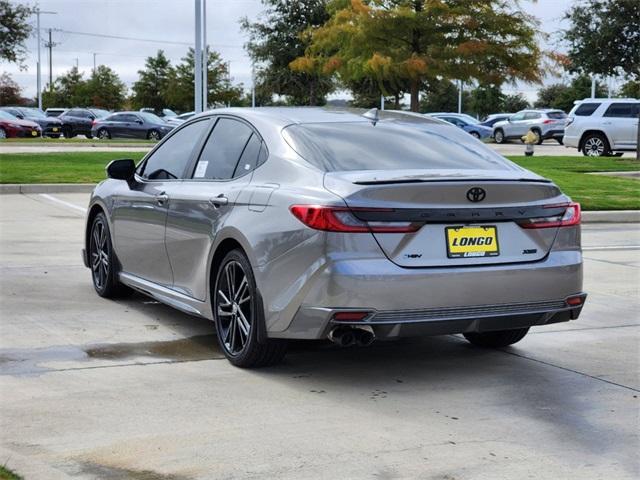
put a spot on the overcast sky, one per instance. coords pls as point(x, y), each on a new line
point(172, 21)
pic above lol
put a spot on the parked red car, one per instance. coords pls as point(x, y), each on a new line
point(11, 126)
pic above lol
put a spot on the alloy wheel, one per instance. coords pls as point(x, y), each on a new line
point(234, 307)
point(99, 249)
point(499, 136)
point(3, 134)
point(103, 134)
point(153, 135)
point(594, 147)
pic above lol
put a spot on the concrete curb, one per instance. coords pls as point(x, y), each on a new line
point(15, 188)
point(605, 216)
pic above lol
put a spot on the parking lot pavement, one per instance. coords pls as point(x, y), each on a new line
point(92, 388)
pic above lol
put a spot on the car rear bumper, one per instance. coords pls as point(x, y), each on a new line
point(571, 141)
point(403, 301)
point(26, 133)
point(553, 134)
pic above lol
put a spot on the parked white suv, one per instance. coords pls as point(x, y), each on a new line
point(603, 126)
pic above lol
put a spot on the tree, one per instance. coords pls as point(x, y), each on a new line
point(441, 95)
point(631, 89)
point(485, 99)
point(366, 93)
point(104, 89)
point(10, 91)
point(68, 89)
point(14, 31)
point(278, 40)
point(151, 89)
point(180, 83)
point(408, 42)
point(563, 96)
point(514, 103)
point(604, 37)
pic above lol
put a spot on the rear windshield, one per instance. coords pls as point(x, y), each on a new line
point(556, 115)
point(586, 109)
point(389, 145)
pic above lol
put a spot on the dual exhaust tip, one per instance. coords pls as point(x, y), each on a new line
point(347, 336)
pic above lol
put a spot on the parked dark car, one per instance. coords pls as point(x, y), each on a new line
point(51, 126)
point(79, 121)
point(131, 125)
point(494, 118)
point(11, 127)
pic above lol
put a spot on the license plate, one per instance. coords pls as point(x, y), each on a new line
point(55, 129)
point(34, 133)
point(469, 242)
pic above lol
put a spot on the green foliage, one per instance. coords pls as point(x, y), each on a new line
point(563, 96)
point(407, 42)
point(14, 31)
point(442, 96)
point(486, 99)
point(69, 89)
point(152, 85)
point(103, 89)
point(631, 89)
point(10, 91)
point(604, 37)
point(277, 40)
point(180, 83)
point(514, 103)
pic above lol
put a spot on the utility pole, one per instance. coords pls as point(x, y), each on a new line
point(50, 46)
point(77, 62)
point(94, 63)
point(38, 66)
point(593, 86)
point(459, 96)
point(382, 102)
point(205, 57)
point(253, 86)
point(197, 91)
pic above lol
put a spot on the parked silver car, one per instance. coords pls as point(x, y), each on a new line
point(546, 124)
point(306, 223)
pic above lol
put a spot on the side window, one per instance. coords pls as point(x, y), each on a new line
point(170, 159)
point(252, 156)
point(517, 117)
point(74, 113)
point(620, 110)
point(222, 150)
point(531, 116)
point(586, 109)
point(127, 117)
point(115, 118)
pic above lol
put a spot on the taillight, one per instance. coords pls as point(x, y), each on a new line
point(569, 218)
point(93, 122)
point(568, 121)
point(350, 316)
point(341, 219)
point(547, 122)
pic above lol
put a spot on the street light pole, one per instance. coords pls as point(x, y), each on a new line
point(197, 91)
point(253, 86)
point(459, 96)
point(38, 66)
point(205, 57)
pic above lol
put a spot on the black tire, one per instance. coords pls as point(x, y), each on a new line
point(498, 136)
point(539, 135)
point(239, 315)
point(88, 136)
point(154, 135)
point(497, 339)
point(68, 133)
point(103, 134)
point(102, 260)
point(475, 135)
point(560, 141)
point(55, 135)
point(595, 145)
point(3, 133)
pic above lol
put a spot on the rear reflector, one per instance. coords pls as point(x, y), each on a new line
point(340, 219)
point(570, 218)
point(576, 300)
point(350, 316)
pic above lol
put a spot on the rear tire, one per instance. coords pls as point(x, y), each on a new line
point(538, 134)
point(497, 339)
point(475, 135)
point(154, 135)
point(103, 134)
point(239, 315)
point(595, 145)
point(498, 136)
point(102, 261)
point(88, 136)
point(3, 133)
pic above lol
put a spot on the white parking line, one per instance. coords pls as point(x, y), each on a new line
point(62, 202)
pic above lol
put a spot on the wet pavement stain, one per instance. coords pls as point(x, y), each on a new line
point(109, 472)
point(35, 361)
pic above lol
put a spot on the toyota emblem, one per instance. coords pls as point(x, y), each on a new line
point(476, 194)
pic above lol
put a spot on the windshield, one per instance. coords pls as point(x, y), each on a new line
point(6, 116)
point(169, 113)
point(557, 115)
point(99, 113)
point(33, 112)
point(150, 117)
point(389, 145)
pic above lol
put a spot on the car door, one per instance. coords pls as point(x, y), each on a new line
point(531, 119)
point(140, 212)
point(129, 125)
point(217, 187)
point(516, 126)
point(115, 124)
point(620, 121)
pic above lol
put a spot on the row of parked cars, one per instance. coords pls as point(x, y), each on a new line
point(90, 122)
point(595, 126)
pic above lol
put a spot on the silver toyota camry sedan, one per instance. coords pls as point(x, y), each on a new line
point(307, 223)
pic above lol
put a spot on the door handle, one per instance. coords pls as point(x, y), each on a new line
point(219, 200)
point(162, 198)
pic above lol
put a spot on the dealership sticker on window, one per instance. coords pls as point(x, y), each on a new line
point(201, 169)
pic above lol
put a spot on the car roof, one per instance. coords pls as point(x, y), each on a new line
point(609, 100)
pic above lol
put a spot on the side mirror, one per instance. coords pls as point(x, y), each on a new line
point(139, 122)
point(92, 117)
point(20, 116)
point(123, 169)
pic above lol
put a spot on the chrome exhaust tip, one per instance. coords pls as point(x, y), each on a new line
point(347, 336)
